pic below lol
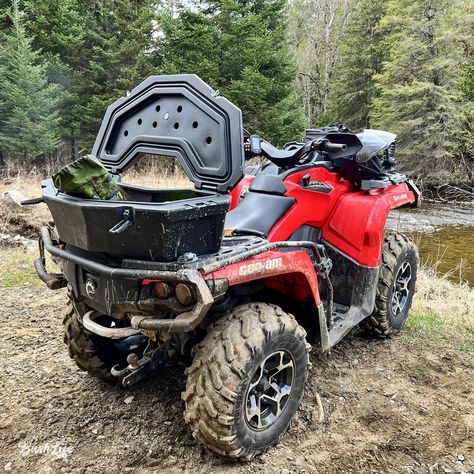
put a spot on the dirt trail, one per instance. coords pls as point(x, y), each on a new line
point(388, 407)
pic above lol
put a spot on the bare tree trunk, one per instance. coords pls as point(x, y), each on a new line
point(74, 154)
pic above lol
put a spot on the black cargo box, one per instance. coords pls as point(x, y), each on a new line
point(178, 116)
point(162, 224)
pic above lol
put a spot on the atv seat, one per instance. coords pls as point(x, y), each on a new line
point(269, 184)
point(258, 211)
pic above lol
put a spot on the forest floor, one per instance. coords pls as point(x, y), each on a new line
point(393, 406)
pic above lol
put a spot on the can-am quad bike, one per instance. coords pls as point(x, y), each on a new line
point(241, 273)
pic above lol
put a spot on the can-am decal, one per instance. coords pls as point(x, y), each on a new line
point(259, 267)
point(400, 197)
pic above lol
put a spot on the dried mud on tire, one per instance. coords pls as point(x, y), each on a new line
point(389, 407)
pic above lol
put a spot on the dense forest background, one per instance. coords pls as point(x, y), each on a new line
point(402, 65)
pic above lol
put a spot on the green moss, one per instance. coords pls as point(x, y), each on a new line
point(431, 329)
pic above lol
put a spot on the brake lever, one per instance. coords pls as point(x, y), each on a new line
point(309, 147)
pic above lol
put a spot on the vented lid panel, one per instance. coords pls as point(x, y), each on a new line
point(177, 116)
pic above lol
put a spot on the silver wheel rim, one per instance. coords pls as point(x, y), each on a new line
point(269, 390)
point(401, 288)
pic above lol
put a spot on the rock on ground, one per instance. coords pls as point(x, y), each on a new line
point(13, 199)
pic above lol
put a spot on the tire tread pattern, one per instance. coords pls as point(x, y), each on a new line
point(81, 346)
point(217, 372)
point(378, 323)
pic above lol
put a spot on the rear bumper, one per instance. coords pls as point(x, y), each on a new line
point(118, 289)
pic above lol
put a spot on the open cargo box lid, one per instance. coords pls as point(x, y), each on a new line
point(179, 116)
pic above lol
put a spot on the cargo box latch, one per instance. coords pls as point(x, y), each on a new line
point(124, 224)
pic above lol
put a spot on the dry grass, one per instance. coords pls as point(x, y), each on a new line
point(157, 180)
point(157, 172)
point(27, 184)
point(442, 313)
point(453, 302)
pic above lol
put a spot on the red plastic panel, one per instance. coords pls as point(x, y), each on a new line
point(352, 221)
point(293, 273)
point(357, 224)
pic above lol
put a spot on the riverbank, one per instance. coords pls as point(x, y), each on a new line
point(444, 234)
point(431, 215)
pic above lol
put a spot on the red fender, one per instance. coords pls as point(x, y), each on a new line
point(352, 221)
point(356, 227)
point(292, 273)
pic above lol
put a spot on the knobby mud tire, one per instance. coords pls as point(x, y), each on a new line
point(223, 365)
point(383, 323)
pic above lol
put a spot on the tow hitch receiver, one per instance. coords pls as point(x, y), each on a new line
point(136, 370)
point(156, 354)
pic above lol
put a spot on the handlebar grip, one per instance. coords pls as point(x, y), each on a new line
point(328, 146)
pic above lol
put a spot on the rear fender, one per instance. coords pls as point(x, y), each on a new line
point(292, 273)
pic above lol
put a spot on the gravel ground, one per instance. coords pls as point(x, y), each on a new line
point(389, 406)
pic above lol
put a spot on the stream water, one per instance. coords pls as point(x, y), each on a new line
point(444, 234)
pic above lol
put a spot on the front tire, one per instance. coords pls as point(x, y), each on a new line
point(396, 287)
point(246, 380)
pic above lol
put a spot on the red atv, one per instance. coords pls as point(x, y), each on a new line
point(242, 274)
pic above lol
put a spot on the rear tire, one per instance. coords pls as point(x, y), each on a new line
point(92, 353)
point(246, 380)
point(396, 287)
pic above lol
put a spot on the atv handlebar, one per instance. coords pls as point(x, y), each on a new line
point(334, 147)
point(292, 155)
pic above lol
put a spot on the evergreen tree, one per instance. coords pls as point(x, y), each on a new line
point(114, 57)
point(97, 50)
point(28, 104)
point(240, 48)
point(59, 31)
point(360, 59)
point(420, 89)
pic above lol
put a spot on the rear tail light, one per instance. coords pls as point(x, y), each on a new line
point(163, 290)
point(185, 294)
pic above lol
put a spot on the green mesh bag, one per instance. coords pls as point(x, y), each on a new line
point(88, 178)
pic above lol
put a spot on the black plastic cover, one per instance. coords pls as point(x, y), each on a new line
point(179, 116)
point(268, 183)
